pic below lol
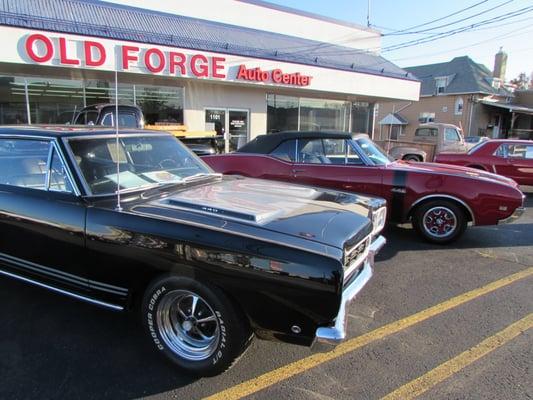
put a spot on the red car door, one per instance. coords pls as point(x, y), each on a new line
point(333, 163)
point(515, 160)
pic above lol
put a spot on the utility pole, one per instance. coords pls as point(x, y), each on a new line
point(368, 14)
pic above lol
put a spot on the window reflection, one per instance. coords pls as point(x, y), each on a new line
point(362, 117)
point(12, 100)
point(282, 113)
point(58, 101)
point(305, 114)
point(317, 114)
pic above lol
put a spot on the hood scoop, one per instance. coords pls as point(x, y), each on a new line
point(232, 213)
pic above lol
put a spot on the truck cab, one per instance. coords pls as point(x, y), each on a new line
point(130, 116)
point(431, 139)
point(104, 114)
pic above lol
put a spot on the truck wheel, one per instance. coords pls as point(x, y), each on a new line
point(412, 158)
point(194, 325)
point(439, 221)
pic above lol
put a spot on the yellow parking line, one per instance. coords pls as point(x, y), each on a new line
point(270, 378)
point(420, 385)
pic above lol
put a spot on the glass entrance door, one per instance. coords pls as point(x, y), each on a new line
point(238, 129)
point(231, 126)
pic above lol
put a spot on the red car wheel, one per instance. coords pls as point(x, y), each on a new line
point(439, 221)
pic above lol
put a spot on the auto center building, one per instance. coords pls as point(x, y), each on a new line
point(242, 68)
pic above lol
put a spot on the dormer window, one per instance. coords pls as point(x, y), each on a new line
point(440, 84)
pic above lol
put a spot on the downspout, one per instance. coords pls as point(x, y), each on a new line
point(390, 131)
point(471, 114)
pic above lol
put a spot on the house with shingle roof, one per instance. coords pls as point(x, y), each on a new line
point(460, 92)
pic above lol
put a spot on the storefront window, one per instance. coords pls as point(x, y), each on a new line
point(102, 91)
point(316, 114)
point(282, 113)
point(12, 100)
point(160, 103)
point(54, 101)
point(58, 101)
point(362, 117)
point(305, 114)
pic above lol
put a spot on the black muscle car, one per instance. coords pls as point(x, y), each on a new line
point(137, 221)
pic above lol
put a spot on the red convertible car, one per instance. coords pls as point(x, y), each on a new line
point(440, 200)
point(510, 158)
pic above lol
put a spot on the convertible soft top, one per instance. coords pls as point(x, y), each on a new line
point(264, 144)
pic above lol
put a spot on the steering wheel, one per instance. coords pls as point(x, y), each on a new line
point(170, 163)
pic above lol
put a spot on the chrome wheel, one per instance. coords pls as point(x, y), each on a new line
point(188, 325)
point(439, 222)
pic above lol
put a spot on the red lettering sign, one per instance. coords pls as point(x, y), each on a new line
point(49, 48)
point(216, 65)
point(177, 60)
point(243, 72)
point(88, 47)
point(63, 58)
point(41, 49)
point(276, 75)
point(127, 57)
point(148, 60)
point(199, 69)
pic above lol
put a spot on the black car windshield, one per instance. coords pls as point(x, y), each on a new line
point(143, 161)
point(373, 151)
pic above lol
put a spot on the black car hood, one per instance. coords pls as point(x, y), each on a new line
point(327, 217)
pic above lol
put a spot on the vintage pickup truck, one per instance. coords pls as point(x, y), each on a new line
point(129, 116)
point(430, 139)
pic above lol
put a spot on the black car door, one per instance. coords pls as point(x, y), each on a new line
point(42, 219)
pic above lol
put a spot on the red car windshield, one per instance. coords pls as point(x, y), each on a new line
point(373, 151)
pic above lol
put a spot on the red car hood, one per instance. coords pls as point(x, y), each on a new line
point(454, 170)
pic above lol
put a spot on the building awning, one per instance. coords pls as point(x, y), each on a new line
point(393, 119)
point(516, 108)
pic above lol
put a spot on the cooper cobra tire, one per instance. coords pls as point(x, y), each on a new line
point(439, 221)
point(194, 325)
point(412, 158)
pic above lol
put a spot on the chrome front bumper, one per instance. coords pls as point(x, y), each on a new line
point(513, 217)
point(330, 336)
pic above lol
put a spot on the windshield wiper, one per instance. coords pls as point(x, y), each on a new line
point(135, 188)
point(200, 175)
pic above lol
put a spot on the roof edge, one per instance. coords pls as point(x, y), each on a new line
point(308, 14)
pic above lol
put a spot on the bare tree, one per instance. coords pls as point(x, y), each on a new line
point(521, 81)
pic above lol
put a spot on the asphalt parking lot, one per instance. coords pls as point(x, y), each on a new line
point(440, 322)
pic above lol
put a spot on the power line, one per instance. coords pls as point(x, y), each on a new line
point(449, 23)
point(394, 32)
point(504, 36)
point(458, 30)
point(432, 38)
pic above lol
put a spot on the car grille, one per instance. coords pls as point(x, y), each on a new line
point(355, 252)
point(354, 258)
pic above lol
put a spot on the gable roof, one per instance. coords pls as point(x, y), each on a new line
point(464, 76)
point(120, 22)
point(394, 119)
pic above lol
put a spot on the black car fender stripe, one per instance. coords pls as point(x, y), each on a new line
point(398, 189)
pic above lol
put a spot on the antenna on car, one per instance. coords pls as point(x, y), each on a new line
point(117, 142)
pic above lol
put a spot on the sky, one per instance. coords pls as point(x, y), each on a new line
point(513, 32)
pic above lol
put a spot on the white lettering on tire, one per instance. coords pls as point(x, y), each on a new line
point(150, 318)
